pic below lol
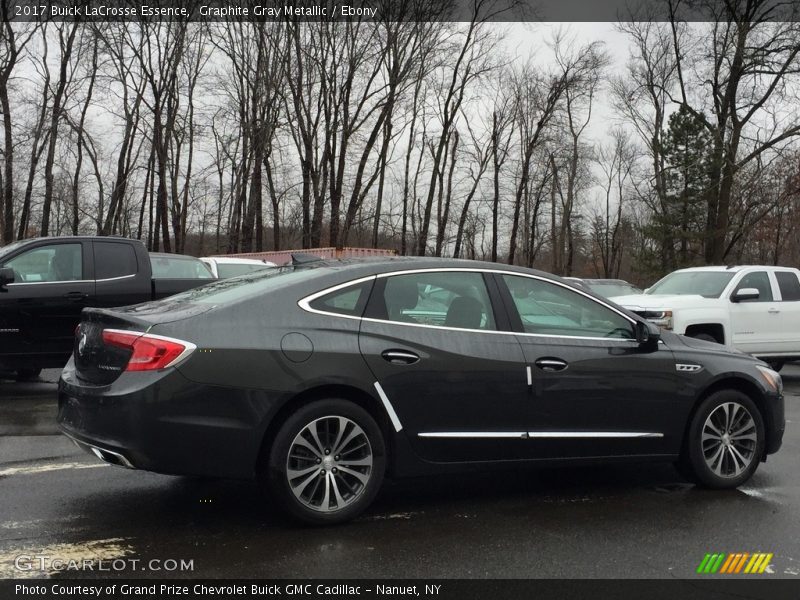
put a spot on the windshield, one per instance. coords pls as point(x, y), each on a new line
point(709, 284)
point(609, 290)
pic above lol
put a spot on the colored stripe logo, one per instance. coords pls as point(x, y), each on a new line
point(735, 563)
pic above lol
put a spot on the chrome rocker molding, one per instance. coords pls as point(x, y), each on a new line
point(538, 434)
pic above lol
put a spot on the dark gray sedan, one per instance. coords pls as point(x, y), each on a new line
point(322, 378)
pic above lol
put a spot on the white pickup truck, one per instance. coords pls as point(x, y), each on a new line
point(753, 309)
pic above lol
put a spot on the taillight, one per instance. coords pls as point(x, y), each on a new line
point(148, 352)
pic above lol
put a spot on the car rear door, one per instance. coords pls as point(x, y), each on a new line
point(596, 391)
point(42, 307)
point(455, 382)
point(789, 306)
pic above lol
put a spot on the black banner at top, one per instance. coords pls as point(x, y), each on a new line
point(400, 10)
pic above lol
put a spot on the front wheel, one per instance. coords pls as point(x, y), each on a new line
point(326, 463)
point(725, 441)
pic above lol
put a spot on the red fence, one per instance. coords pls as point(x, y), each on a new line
point(284, 256)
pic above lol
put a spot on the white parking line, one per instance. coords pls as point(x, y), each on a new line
point(35, 469)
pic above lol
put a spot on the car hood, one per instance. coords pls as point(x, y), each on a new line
point(668, 301)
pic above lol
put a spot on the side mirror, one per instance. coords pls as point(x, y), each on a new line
point(646, 333)
point(6, 275)
point(745, 294)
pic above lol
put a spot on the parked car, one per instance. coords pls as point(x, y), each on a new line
point(755, 309)
point(224, 267)
point(319, 379)
point(46, 282)
point(607, 288)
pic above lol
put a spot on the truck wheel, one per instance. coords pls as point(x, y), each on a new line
point(327, 462)
point(725, 441)
point(27, 374)
point(706, 337)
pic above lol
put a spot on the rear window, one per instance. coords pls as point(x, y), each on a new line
point(790, 287)
point(114, 259)
point(224, 291)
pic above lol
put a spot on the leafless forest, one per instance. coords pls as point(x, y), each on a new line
point(426, 137)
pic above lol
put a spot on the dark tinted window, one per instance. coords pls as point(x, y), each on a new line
point(760, 281)
point(790, 287)
point(347, 301)
point(112, 259)
point(550, 309)
point(449, 299)
point(57, 262)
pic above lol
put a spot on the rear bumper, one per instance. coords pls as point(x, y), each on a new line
point(162, 422)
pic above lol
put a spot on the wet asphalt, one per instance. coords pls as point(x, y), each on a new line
point(638, 521)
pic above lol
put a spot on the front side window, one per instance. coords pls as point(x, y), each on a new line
point(760, 281)
point(790, 287)
point(548, 309)
point(57, 262)
point(446, 299)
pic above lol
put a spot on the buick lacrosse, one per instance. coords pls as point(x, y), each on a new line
point(320, 379)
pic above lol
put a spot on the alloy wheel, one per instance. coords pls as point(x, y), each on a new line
point(329, 463)
point(729, 439)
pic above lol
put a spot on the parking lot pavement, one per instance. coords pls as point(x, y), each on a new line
point(632, 521)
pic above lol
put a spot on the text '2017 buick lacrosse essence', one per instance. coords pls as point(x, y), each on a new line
point(320, 379)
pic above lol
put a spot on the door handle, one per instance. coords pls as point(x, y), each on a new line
point(76, 296)
point(400, 357)
point(551, 364)
point(773, 311)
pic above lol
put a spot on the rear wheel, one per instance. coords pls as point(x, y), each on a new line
point(326, 463)
point(27, 374)
point(725, 441)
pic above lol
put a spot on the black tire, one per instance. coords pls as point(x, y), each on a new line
point(698, 455)
point(27, 374)
point(706, 337)
point(325, 416)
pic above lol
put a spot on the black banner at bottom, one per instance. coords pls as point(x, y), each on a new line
point(373, 589)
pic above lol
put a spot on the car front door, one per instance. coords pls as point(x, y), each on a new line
point(596, 391)
point(43, 305)
point(456, 384)
point(755, 324)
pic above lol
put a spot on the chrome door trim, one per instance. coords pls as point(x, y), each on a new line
point(538, 434)
point(398, 426)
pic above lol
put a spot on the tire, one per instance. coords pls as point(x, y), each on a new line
point(729, 462)
point(27, 374)
point(352, 476)
point(706, 337)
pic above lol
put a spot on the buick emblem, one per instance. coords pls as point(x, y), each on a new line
point(82, 344)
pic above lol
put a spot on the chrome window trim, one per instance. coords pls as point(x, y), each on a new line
point(539, 434)
point(117, 278)
point(304, 303)
point(51, 282)
point(398, 426)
